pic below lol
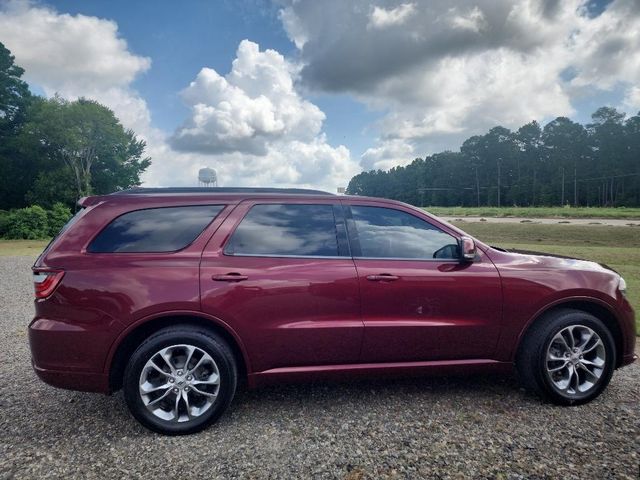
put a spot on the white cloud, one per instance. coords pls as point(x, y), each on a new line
point(256, 126)
point(451, 72)
point(387, 154)
point(250, 125)
point(385, 18)
point(632, 99)
point(247, 109)
point(290, 22)
point(606, 47)
point(65, 53)
point(472, 20)
point(74, 56)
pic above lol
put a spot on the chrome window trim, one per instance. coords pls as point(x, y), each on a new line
point(447, 260)
point(263, 255)
point(258, 255)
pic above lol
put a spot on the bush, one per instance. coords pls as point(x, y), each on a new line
point(57, 217)
point(27, 223)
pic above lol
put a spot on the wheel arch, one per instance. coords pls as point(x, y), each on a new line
point(131, 338)
point(595, 307)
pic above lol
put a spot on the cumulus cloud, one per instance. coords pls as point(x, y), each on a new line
point(383, 18)
point(67, 53)
point(472, 20)
point(387, 154)
point(257, 127)
point(252, 106)
point(75, 55)
point(251, 125)
point(443, 73)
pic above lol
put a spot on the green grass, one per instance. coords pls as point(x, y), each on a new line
point(617, 247)
point(22, 247)
point(537, 212)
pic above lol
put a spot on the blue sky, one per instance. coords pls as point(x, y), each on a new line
point(309, 93)
point(182, 37)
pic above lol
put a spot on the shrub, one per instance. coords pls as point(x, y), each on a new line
point(57, 217)
point(28, 223)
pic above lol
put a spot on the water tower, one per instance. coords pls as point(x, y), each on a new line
point(207, 177)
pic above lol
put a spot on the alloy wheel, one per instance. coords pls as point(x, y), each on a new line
point(179, 383)
point(575, 360)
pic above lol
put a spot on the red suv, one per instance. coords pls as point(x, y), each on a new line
point(176, 294)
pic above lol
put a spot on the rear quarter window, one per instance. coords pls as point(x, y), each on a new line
point(165, 229)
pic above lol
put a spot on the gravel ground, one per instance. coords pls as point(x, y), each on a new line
point(477, 427)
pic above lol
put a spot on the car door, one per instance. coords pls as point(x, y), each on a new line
point(419, 302)
point(280, 274)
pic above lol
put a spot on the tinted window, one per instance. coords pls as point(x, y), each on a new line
point(286, 230)
point(154, 229)
point(389, 233)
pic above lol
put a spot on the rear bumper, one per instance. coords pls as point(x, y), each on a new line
point(70, 356)
point(85, 382)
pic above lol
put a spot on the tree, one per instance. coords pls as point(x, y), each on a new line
point(14, 103)
point(528, 140)
point(57, 150)
point(609, 144)
point(563, 163)
point(84, 140)
point(14, 94)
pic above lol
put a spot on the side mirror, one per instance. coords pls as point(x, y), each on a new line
point(467, 249)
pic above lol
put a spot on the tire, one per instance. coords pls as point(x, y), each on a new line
point(193, 396)
point(545, 368)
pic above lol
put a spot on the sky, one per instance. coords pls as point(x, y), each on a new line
point(309, 93)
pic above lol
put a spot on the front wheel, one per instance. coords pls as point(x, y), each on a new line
point(568, 357)
point(180, 380)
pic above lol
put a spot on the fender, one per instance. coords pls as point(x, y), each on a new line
point(556, 303)
point(174, 313)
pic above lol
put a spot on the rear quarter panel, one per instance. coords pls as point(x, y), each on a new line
point(102, 294)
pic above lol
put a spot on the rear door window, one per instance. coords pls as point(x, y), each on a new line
point(286, 230)
point(165, 229)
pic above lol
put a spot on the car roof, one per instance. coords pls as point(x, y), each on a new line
point(218, 190)
point(226, 194)
point(234, 194)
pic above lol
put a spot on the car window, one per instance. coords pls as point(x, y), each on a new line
point(389, 233)
point(164, 229)
point(285, 229)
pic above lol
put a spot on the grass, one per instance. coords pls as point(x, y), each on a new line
point(537, 212)
point(22, 247)
point(617, 247)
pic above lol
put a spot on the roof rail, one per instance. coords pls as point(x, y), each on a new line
point(218, 190)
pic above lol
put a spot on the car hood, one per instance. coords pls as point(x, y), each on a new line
point(542, 260)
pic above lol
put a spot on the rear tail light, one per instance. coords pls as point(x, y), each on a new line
point(46, 281)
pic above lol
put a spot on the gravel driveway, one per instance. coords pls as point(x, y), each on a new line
point(426, 428)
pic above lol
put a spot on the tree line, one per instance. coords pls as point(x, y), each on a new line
point(54, 151)
point(564, 163)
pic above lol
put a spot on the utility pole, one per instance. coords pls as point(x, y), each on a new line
point(477, 186)
point(533, 190)
point(575, 186)
point(499, 159)
point(562, 200)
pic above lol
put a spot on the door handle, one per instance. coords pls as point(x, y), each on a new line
point(229, 277)
point(383, 277)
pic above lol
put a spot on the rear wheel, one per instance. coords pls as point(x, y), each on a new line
point(568, 357)
point(180, 380)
